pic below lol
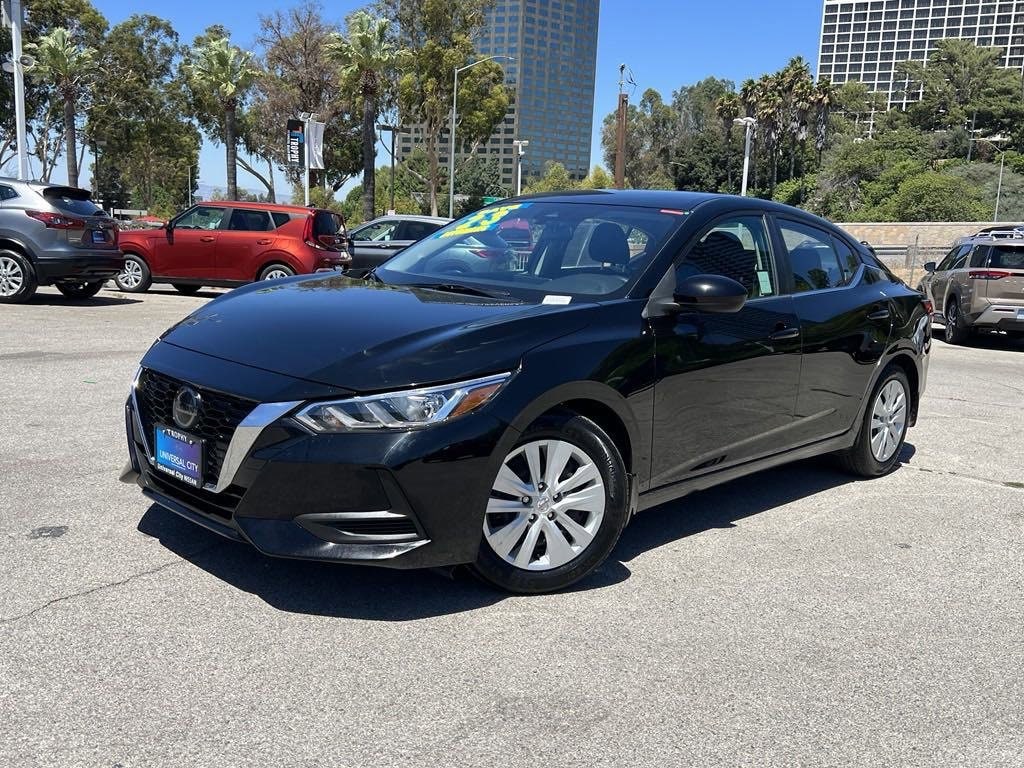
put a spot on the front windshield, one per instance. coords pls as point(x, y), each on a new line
point(538, 249)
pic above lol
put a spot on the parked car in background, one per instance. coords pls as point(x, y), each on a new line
point(979, 285)
point(53, 235)
point(378, 240)
point(231, 243)
point(514, 420)
point(996, 232)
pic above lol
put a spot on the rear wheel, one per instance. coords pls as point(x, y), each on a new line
point(80, 290)
point(957, 331)
point(556, 508)
point(884, 427)
point(135, 277)
point(276, 272)
point(17, 280)
point(186, 290)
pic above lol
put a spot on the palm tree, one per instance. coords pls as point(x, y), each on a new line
point(823, 99)
point(223, 72)
point(69, 68)
point(365, 57)
point(797, 89)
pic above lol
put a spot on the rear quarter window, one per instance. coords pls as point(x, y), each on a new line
point(1007, 258)
point(280, 218)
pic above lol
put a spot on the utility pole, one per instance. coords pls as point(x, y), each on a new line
point(620, 131)
point(18, 64)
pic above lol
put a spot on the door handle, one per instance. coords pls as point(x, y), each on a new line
point(784, 334)
point(206, 239)
point(879, 314)
point(264, 242)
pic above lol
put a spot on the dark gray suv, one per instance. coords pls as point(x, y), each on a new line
point(53, 235)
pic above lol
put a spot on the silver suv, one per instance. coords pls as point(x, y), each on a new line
point(53, 235)
point(979, 285)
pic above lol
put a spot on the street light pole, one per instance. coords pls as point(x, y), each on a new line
point(451, 143)
point(520, 150)
point(749, 122)
point(1002, 160)
point(394, 130)
point(18, 64)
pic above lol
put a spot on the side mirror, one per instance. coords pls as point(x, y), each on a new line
point(168, 229)
point(929, 266)
point(710, 293)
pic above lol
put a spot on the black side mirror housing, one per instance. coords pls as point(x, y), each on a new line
point(350, 246)
point(929, 266)
point(710, 293)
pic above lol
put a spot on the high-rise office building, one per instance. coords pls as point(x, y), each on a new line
point(554, 44)
point(865, 39)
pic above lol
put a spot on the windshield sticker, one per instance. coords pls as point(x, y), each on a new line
point(555, 299)
point(481, 221)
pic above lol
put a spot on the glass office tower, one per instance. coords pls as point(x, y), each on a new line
point(865, 39)
point(554, 43)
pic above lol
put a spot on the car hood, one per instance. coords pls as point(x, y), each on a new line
point(366, 337)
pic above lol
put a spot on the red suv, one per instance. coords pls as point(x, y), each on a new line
point(230, 243)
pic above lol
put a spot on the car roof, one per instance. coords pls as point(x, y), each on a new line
point(409, 217)
point(252, 206)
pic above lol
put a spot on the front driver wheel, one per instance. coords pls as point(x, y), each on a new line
point(883, 429)
point(80, 290)
point(957, 331)
point(556, 508)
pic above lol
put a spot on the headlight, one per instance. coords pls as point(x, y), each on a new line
point(402, 410)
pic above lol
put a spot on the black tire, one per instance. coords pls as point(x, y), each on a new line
point(860, 458)
point(957, 331)
point(136, 270)
point(269, 272)
point(80, 290)
point(16, 270)
point(584, 434)
point(187, 290)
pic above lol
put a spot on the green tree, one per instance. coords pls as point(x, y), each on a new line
point(220, 74)
point(439, 34)
point(933, 196)
point(367, 57)
point(555, 179)
point(299, 77)
point(69, 68)
point(598, 178)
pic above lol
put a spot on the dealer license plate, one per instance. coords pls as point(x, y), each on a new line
point(1020, 314)
point(179, 455)
point(99, 236)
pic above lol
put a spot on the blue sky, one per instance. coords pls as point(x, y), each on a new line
point(666, 43)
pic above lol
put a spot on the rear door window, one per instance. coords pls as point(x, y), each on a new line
point(243, 220)
point(415, 230)
point(813, 259)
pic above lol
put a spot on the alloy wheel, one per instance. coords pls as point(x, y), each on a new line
point(276, 274)
point(546, 505)
point(888, 420)
point(11, 276)
point(131, 275)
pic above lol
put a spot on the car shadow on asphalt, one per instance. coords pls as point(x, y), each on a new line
point(382, 594)
point(56, 300)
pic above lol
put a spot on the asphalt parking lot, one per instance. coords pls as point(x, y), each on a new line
point(795, 617)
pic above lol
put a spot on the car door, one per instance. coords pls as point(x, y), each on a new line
point(845, 320)
point(373, 243)
point(936, 283)
point(726, 383)
point(249, 234)
point(188, 246)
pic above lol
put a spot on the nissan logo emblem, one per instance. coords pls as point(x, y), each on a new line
point(186, 407)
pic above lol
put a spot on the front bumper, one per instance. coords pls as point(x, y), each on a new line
point(403, 500)
point(86, 266)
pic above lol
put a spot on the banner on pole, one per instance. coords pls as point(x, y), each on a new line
point(296, 143)
point(316, 145)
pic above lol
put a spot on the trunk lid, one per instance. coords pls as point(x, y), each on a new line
point(90, 228)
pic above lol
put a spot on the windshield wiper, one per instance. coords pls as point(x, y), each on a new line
point(467, 290)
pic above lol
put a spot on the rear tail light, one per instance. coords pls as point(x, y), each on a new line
point(988, 274)
point(56, 220)
point(928, 306)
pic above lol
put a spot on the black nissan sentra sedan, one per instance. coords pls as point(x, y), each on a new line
point(510, 406)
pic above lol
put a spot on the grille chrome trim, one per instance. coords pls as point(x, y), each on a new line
point(245, 435)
